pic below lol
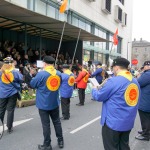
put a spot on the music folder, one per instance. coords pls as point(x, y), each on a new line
point(39, 63)
point(94, 82)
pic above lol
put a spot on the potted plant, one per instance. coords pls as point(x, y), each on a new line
point(27, 98)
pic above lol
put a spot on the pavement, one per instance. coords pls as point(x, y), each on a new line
point(81, 132)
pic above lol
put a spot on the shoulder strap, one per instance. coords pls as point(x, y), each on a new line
point(84, 75)
point(11, 82)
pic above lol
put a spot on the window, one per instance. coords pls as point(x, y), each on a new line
point(99, 57)
point(86, 52)
point(88, 27)
point(75, 21)
point(82, 24)
point(51, 12)
point(95, 55)
point(101, 33)
point(30, 4)
point(124, 19)
point(122, 2)
point(115, 48)
point(119, 45)
point(40, 7)
point(106, 6)
point(118, 14)
point(62, 17)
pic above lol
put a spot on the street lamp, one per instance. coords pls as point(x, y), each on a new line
point(127, 49)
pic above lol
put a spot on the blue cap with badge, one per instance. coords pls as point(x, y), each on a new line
point(146, 63)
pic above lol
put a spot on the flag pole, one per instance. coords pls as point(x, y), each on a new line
point(62, 34)
point(109, 54)
point(60, 42)
point(115, 42)
point(75, 49)
point(111, 48)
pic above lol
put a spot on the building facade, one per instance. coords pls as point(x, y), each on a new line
point(99, 17)
point(140, 51)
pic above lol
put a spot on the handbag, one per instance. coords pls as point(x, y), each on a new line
point(18, 90)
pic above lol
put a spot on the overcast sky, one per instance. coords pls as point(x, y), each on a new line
point(141, 19)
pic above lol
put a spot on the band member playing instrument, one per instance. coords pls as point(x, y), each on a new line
point(47, 85)
point(66, 90)
point(10, 81)
point(120, 96)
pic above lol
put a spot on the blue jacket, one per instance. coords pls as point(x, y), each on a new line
point(46, 97)
point(7, 89)
point(98, 75)
point(144, 82)
point(66, 90)
point(120, 96)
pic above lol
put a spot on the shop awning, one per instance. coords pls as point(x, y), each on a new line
point(15, 17)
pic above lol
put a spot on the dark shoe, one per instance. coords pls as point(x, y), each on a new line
point(61, 144)
point(43, 147)
point(64, 118)
point(10, 130)
point(143, 138)
point(79, 104)
point(140, 132)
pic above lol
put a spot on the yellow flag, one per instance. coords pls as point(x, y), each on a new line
point(63, 6)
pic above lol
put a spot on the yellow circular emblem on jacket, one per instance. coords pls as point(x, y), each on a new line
point(53, 83)
point(132, 95)
point(71, 80)
point(6, 77)
point(85, 79)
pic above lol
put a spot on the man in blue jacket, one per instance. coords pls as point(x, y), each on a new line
point(98, 74)
point(10, 81)
point(120, 96)
point(47, 84)
point(144, 105)
point(66, 90)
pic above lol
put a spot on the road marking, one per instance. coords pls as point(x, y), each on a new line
point(16, 123)
point(85, 125)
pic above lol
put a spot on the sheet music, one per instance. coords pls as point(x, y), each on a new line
point(94, 82)
point(39, 63)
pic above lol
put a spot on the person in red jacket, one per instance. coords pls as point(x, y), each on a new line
point(81, 81)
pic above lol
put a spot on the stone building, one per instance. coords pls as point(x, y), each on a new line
point(140, 51)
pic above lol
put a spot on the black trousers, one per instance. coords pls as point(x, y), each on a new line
point(45, 119)
point(81, 93)
point(115, 140)
point(145, 122)
point(8, 104)
point(65, 106)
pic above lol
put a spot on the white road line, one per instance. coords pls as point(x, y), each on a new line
point(16, 123)
point(85, 125)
